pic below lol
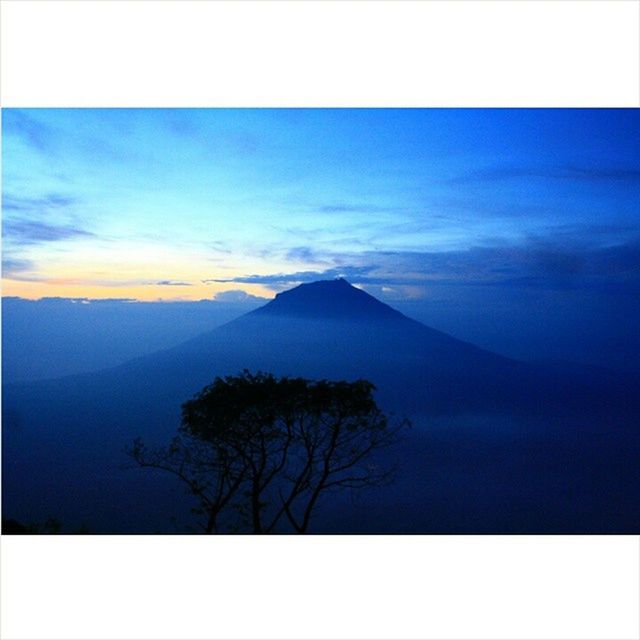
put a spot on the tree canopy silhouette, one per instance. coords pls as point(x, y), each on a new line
point(258, 451)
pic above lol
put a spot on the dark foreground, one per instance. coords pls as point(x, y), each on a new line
point(497, 446)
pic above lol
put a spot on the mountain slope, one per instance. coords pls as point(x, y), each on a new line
point(63, 439)
point(328, 299)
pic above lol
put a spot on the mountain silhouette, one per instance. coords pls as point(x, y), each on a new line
point(332, 329)
point(335, 299)
point(63, 438)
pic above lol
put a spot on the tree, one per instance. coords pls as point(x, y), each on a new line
point(258, 452)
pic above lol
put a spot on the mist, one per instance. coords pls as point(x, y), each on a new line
point(497, 445)
point(54, 337)
point(598, 328)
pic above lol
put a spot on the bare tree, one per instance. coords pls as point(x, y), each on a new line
point(262, 450)
point(208, 472)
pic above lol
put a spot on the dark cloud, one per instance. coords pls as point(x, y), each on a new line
point(55, 140)
point(17, 122)
point(491, 174)
point(342, 207)
point(27, 232)
point(303, 254)
point(631, 173)
point(12, 267)
point(535, 262)
point(50, 201)
point(285, 279)
point(620, 259)
point(585, 233)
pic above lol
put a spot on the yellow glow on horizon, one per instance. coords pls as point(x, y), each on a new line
point(64, 288)
point(134, 270)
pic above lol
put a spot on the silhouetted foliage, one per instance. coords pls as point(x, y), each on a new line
point(259, 451)
point(13, 527)
point(50, 526)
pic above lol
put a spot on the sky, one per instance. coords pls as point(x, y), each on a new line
point(224, 203)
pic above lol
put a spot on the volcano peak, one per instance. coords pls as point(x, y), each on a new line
point(322, 299)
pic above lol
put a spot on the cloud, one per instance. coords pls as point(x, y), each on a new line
point(237, 295)
point(14, 267)
point(219, 247)
point(50, 201)
point(543, 262)
point(171, 283)
point(595, 174)
point(28, 232)
point(35, 134)
point(91, 134)
point(285, 279)
point(303, 254)
point(589, 173)
point(343, 207)
point(234, 141)
point(18, 269)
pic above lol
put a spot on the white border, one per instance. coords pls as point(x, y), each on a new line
point(467, 53)
point(294, 587)
point(318, 53)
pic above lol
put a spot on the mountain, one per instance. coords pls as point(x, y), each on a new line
point(478, 416)
point(328, 299)
point(335, 330)
point(332, 329)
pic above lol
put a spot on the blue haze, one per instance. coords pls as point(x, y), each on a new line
point(517, 231)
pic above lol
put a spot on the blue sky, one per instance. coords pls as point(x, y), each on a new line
point(189, 204)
